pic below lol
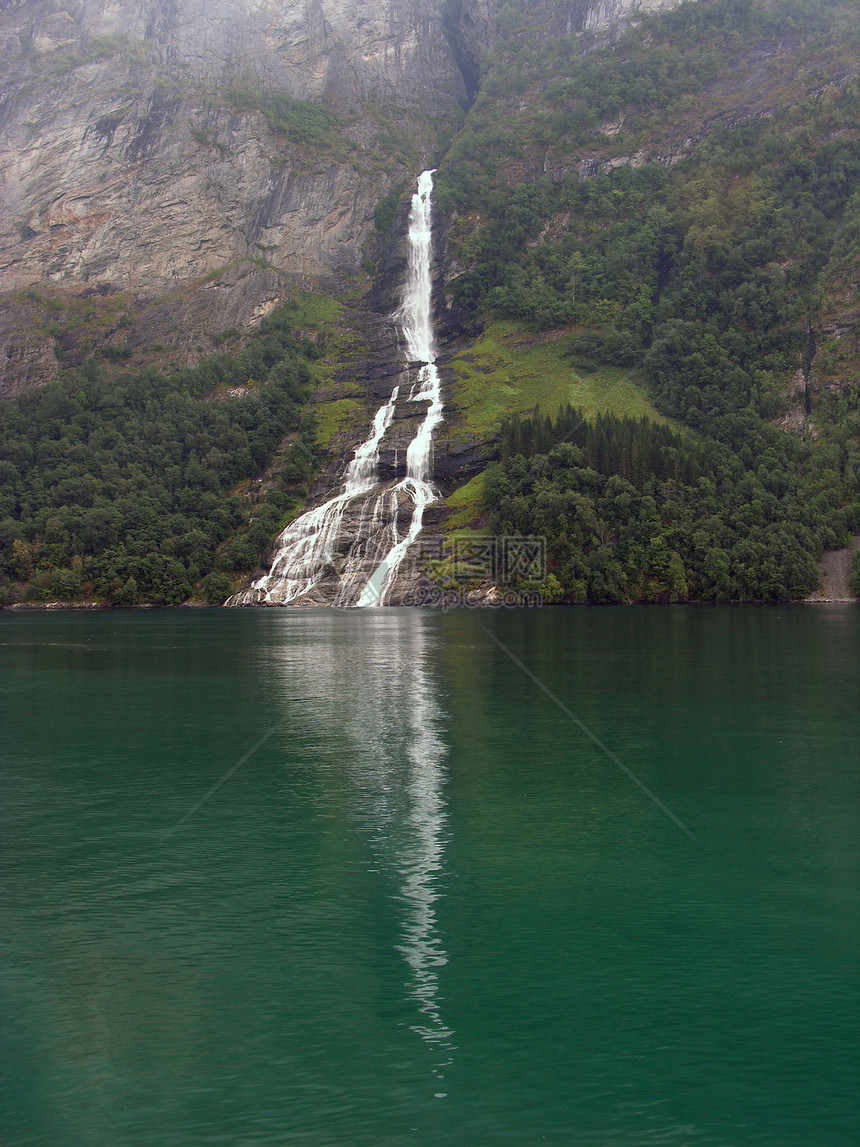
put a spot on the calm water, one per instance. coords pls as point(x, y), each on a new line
point(425, 908)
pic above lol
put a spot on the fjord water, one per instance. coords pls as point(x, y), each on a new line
point(426, 908)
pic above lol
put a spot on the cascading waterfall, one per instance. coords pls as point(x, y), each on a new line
point(417, 323)
point(306, 549)
point(306, 546)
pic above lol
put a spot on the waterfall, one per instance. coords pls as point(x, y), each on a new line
point(308, 549)
point(416, 320)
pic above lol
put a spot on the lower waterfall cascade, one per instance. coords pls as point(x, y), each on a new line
point(314, 545)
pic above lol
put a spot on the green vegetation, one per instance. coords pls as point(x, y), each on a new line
point(217, 587)
point(635, 448)
point(386, 209)
point(332, 417)
point(661, 235)
point(561, 93)
point(468, 501)
point(125, 487)
point(91, 50)
point(854, 579)
point(737, 247)
point(705, 281)
point(508, 370)
point(684, 524)
point(77, 323)
point(315, 312)
point(207, 139)
point(302, 122)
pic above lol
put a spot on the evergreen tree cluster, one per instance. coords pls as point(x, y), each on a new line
point(743, 525)
point(635, 448)
point(118, 486)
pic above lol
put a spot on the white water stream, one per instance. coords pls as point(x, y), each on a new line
point(308, 547)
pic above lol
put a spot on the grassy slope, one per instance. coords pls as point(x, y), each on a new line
point(338, 402)
point(334, 411)
point(510, 370)
point(539, 110)
point(334, 416)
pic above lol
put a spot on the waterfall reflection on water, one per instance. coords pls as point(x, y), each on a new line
point(369, 675)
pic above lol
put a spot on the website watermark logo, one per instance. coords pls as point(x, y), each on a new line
point(479, 571)
point(473, 599)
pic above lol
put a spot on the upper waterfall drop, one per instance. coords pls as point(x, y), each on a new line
point(366, 556)
point(416, 321)
point(416, 313)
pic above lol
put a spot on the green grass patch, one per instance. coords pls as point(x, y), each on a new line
point(467, 502)
point(342, 346)
point(510, 371)
point(385, 211)
point(81, 321)
point(332, 417)
point(315, 310)
point(302, 122)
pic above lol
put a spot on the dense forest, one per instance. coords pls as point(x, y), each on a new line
point(632, 514)
point(119, 485)
point(706, 277)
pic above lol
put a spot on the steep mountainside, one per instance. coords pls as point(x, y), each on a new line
point(147, 145)
point(639, 212)
point(679, 206)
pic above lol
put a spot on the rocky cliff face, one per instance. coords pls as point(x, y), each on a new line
point(148, 145)
point(125, 158)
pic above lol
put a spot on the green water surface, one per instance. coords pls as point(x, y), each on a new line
point(424, 906)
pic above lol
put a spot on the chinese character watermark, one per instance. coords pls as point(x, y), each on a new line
point(479, 570)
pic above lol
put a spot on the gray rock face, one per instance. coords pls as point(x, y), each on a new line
point(139, 148)
point(145, 145)
point(122, 159)
point(26, 361)
point(606, 13)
